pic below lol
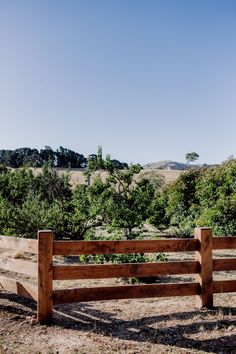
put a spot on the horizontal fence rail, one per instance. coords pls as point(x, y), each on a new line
point(125, 292)
point(22, 266)
point(19, 266)
point(19, 244)
point(224, 264)
point(226, 286)
point(223, 243)
point(46, 271)
point(19, 287)
point(100, 271)
point(67, 248)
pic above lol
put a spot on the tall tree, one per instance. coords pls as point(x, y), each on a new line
point(191, 157)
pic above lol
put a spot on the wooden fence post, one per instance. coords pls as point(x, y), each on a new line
point(204, 256)
point(45, 276)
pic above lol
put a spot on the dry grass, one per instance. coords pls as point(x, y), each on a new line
point(77, 176)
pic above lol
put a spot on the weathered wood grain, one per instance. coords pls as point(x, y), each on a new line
point(221, 243)
point(125, 246)
point(204, 256)
point(19, 244)
point(66, 272)
point(224, 286)
point(125, 292)
point(45, 276)
point(19, 266)
point(18, 287)
point(224, 264)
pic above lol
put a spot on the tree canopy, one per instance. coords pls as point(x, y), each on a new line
point(191, 157)
point(61, 158)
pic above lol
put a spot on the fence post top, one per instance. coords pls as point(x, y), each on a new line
point(202, 232)
point(45, 231)
point(203, 228)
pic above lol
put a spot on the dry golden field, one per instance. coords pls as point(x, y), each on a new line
point(77, 176)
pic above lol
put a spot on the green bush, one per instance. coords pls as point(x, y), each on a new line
point(199, 197)
point(216, 191)
point(29, 203)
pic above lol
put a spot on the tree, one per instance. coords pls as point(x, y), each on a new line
point(31, 202)
point(122, 200)
point(191, 157)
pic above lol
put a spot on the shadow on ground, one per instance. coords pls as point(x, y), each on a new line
point(155, 329)
point(212, 331)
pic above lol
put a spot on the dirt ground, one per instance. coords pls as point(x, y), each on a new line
point(164, 325)
point(170, 325)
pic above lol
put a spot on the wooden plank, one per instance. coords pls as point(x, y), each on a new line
point(224, 286)
point(45, 279)
point(224, 264)
point(125, 246)
point(222, 243)
point(66, 272)
point(125, 292)
point(19, 266)
point(204, 256)
point(19, 244)
point(18, 287)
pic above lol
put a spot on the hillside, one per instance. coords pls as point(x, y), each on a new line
point(168, 174)
point(169, 165)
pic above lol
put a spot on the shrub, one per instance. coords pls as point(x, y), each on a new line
point(199, 197)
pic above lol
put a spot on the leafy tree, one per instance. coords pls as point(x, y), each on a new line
point(15, 185)
point(48, 155)
point(87, 208)
point(199, 197)
point(177, 204)
point(158, 215)
point(121, 200)
point(216, 191)
point(29, 202)
point(191, 157)
point(52, 185)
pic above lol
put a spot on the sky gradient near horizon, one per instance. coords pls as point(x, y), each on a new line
point(148, 80)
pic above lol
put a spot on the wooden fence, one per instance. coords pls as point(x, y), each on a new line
point(45, 271)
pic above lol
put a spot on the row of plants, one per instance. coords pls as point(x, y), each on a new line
point(29, 202)
point(121, 202)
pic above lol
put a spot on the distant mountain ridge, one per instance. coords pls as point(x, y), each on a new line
point(169, 165)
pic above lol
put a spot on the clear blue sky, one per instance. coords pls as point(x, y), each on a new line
point(146, 79)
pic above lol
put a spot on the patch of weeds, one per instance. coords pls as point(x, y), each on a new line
point(201, 328)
